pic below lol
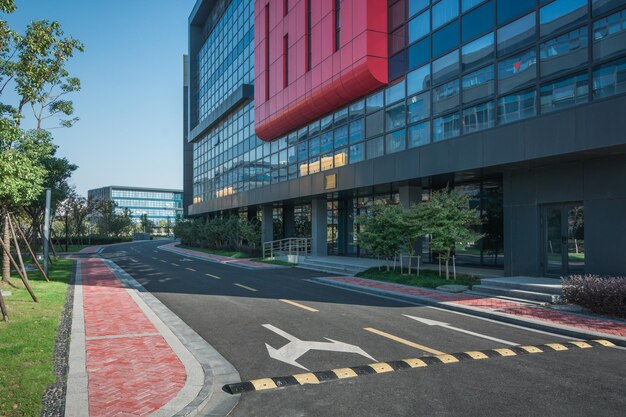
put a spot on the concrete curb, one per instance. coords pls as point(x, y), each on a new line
point(229, 263)
point(207, 370)
point(77, 398)
point(503, 317)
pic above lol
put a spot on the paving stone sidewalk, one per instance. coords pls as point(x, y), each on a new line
point(241, 262)
point(595, 326)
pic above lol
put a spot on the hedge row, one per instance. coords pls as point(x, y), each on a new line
point(603, 295)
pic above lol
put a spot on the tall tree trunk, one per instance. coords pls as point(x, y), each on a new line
point(3, 309)
point(6, 238)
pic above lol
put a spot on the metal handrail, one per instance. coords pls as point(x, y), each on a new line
point(300, 246)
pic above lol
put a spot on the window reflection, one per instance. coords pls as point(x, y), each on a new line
point(517, 71)
point(609, 35)
point(564, 93)
point(561, 14)
point(476, 53)
point(516, 35)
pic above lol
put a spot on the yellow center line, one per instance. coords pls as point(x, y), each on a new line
point(212, 276)
point(245, 287)
point(302, 306)
point(173, 264)
point(404, 341)
point(190, 269)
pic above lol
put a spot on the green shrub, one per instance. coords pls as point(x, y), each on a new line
point(229, 234)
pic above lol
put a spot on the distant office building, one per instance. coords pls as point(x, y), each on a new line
point(308, 111)
point(160, 205)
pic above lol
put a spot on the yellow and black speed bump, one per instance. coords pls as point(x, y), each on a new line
point(382, 367)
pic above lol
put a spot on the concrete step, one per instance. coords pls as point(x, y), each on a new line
point(540, 285)
point(515, 293)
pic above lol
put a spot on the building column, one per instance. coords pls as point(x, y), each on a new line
point(267, 224)
point(319, 227)
point(411, 195)
point(289, 221)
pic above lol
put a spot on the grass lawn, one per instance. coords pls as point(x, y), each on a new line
point(427, 278)
point(27, 340)
point(231, 254)
point(273, 262)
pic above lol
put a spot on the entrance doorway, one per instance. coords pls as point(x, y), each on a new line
point(563, 227)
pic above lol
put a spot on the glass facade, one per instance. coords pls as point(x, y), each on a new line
point(470, 65)
point(161, 206)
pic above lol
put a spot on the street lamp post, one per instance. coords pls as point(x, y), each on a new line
point(46, 230)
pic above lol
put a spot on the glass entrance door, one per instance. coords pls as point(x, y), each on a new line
point(564, 239)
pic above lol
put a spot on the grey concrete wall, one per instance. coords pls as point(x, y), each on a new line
point(599, 183)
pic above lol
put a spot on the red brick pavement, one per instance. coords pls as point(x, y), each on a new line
point(131, 371)
point(497, 305)
point(90, 249)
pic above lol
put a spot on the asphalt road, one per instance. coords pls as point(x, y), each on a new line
point(240, 312)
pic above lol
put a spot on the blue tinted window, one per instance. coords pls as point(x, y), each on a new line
point(517, 35)
point(609, 35)
point(444, 11)
point(418, 107)
point(478, 85)
point(446, 39)
point(479, 117)
point(417, 5)
point(356, 130)
point(418, 80)
point(601, 6)
point(446, 67)
point(477, 21)
point(468, 4)
point(419, 135)
point(341, 136)
point(446, 97)
point(419, 26)
point(357, 153)
point(609, 79)
point(509, 9)
point(479, 52)
point(419, 53)
point(314, 147)
point(517, 71)
point(564, 52)
point(327, 142)
point(396, 141)
point(375, 102)
point(446, 127)
point(516, 107)
point(395, 116)
point(561, 14)
point(395, 92)
point(564, 93)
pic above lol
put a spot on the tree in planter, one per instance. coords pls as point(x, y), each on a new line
point(449, 220)
point(381, 230)
point(413, 229)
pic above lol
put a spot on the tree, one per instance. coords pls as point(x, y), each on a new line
point(381, 230)
point(413, 229)
point(449, 220)
point(146, 224)
point(59, 170)
point(34, 65)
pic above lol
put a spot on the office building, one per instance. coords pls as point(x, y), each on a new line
point(305, 112)
point(161, 206)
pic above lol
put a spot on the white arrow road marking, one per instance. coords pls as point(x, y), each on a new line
point(456, 329)
point(296, 348)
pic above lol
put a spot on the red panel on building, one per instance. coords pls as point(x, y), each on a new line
point(290, 91)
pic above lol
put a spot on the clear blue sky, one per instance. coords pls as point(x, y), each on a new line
point(130, 106)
